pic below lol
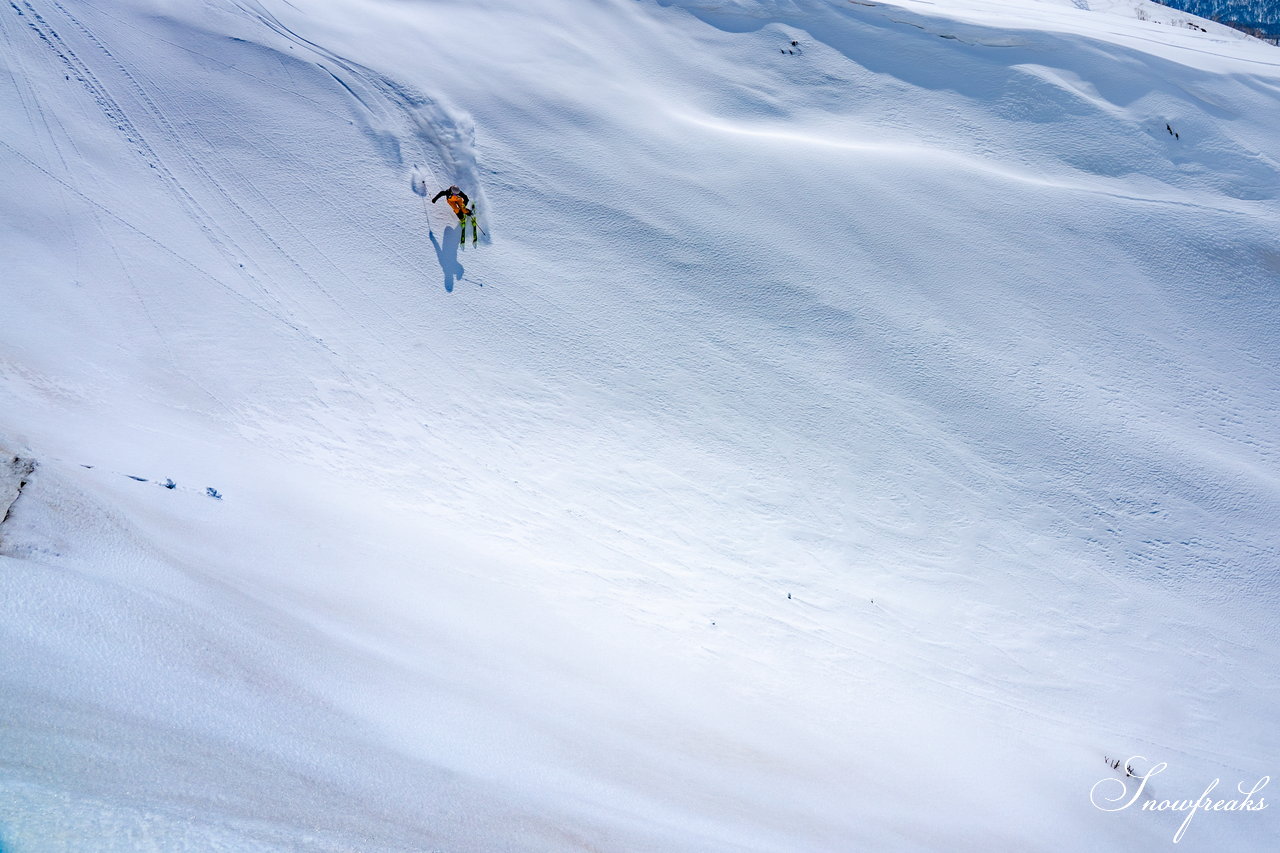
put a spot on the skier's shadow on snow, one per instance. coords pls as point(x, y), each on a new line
point(447, 255)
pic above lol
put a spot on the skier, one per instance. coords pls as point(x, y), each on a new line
point(465, 212)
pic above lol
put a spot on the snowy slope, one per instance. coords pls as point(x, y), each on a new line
point(834, 447)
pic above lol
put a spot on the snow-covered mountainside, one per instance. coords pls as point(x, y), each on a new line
point(855, 431)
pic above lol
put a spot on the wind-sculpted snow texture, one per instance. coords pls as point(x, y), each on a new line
point(855, 432)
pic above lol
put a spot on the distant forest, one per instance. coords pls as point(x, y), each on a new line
point(1260, 18)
